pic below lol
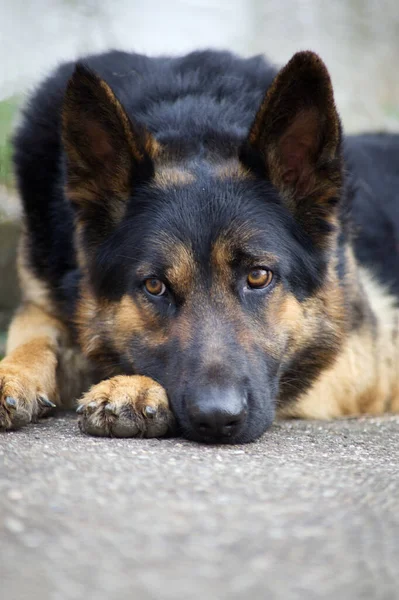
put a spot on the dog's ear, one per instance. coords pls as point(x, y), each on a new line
point(295, 141)
point(107, 155)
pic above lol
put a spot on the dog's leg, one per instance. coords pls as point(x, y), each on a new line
point(126, 406)
point(28, 373)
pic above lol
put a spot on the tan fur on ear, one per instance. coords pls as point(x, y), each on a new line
point(106, 152)
point(297, 133)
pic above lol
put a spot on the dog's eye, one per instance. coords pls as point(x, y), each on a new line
point(155, 287)
point(259, 278)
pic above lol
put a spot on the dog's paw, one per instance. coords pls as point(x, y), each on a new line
point(22, 399)
point(126, 406)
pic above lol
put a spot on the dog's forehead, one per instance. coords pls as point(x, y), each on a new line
point(202, 210)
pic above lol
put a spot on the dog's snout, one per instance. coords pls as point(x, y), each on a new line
point(217, 414)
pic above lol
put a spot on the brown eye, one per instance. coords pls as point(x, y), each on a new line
point(259, 278)
point(155, 287)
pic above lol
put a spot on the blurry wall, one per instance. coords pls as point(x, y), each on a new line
point(359, 40)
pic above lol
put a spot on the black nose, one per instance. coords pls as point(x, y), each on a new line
point(216, 414)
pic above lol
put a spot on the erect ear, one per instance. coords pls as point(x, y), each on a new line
point(295, 142)
point(107, 154)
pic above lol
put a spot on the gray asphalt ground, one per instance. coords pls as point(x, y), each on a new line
point(309, 511)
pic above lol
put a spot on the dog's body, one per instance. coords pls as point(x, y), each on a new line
point(186, 231)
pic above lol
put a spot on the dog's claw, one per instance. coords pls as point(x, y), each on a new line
point(80, 409)
point(91, 407)
point(46, 402)
point(109, 409)
point(11, 402)
point(150, 411)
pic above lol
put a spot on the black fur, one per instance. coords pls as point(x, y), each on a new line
point(373, 167)
point(200, 107)
point(199, 104)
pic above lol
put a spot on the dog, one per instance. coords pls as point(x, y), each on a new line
point(202, 250)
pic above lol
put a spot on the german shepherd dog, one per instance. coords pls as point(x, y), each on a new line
point(201, 250)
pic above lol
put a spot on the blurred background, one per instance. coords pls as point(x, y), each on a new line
point(358, 39)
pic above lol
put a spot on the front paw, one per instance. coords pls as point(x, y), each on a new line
point(126, 406)
point(22, 399)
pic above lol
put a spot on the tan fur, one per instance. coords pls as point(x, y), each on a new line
point(232, 169)
point(128, 317)
point(29, 370)
point(182, 273)
point(140, 390)
point(297, 132)
point(365, 375)
point(39, 350)
point(172, 176)
point(37, 316)
point(40, 356)
point(32, 289)
point(126, 406)
point(224, 246)
point(31, 323)
point(290, 315)
point(183, 330)
point(74, 375)
point(87, 321)
point(95, 323)
point(222, 255)
point(104, 149)
point(32, 356)
point(117, 323)
point(357, 368)
point(132, 319)
point(151, 146)
point(81, 256)
point(292, 325)
point(384, 307)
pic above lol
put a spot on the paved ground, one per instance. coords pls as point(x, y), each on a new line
point(310, 511)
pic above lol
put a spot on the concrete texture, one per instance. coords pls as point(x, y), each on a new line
point(309, 511)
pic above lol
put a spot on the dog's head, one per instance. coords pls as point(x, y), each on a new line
point(214, 277)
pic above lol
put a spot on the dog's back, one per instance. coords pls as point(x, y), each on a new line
point(373, 162)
